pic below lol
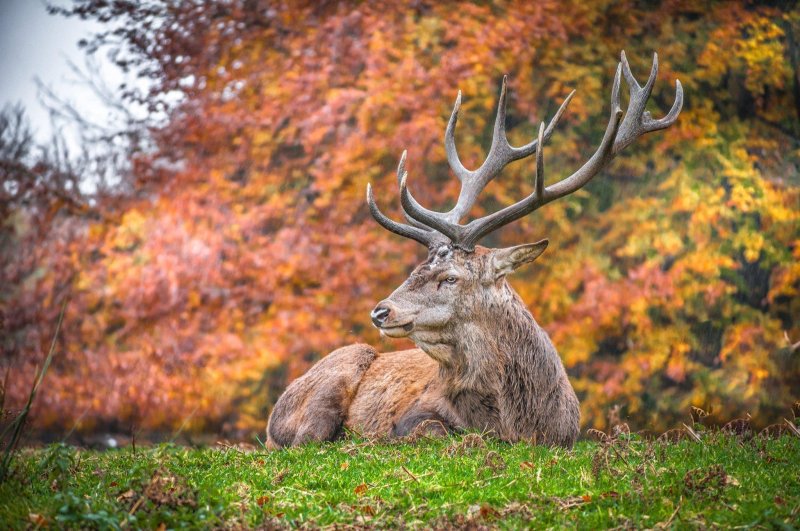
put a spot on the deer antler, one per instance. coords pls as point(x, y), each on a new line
point(620, 132)
point(501, 153)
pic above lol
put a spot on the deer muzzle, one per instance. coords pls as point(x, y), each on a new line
point(390, 321)
point(379, 315)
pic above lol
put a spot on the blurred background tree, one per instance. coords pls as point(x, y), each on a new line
point(232, 246)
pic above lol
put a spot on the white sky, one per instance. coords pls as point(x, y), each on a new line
point(34, 44)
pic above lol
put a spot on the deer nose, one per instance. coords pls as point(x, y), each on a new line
point(379, 315)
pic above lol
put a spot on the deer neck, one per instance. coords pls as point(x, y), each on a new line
point(491, 356)
point(500, 334)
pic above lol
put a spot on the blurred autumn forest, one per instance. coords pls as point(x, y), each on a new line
point(213, 253)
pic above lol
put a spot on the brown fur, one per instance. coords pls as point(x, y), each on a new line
point(398, 391)
point(483, 363)
point(314, 406)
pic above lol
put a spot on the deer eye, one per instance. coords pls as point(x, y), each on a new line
point(449, 279)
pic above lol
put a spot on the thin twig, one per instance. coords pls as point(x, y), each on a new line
point(409, 473)
point(674, 514)
point(136, 505)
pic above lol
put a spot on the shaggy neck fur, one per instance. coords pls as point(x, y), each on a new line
point(510, 381)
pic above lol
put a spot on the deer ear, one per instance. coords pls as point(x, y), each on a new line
point(506, 260)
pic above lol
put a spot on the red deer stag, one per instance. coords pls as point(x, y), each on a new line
point(483, 362)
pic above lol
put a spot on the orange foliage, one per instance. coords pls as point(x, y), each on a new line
point(246, 252)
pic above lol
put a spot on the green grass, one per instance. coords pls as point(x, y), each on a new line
point(723, 481)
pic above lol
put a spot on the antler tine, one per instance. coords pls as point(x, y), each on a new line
point(473, 182)
point(671, 116)
point(401, 175)
point(539, 178)
point(499, 141)
point(407, 231)
point(427, 217)
point(548, 132)
point(637, 121)
point(633, 86)
point(501, 153)
point(481, 227)
point(450, 142)
point(600, 158)
point(401, 167)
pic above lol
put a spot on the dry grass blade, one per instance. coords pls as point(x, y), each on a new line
point(15, 427)
point(183, 424)
point(773, 431)
point(3, 392)
point(668, 523)
point(693, 434)
point(792, 427)
point(793, 346)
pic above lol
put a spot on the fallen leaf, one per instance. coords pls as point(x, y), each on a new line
point(37, 519)
point(262, 500)
point(280, 476)
point(487, 511)
point(345, 465)
point(494, 462)
point(573, 501)
point(126, 495)
point(361, 489)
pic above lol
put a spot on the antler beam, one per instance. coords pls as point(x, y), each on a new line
point(623, 129)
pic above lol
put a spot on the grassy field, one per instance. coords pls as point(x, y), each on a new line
point(464, 480)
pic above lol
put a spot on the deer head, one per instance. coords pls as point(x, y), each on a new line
point(462, 286)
